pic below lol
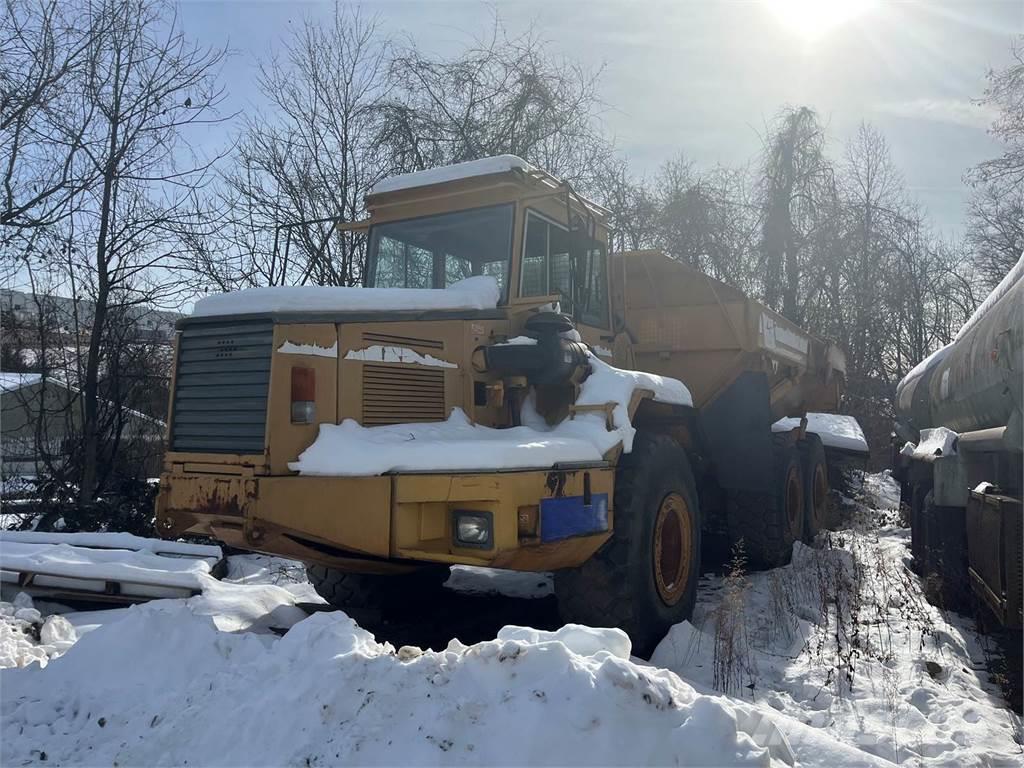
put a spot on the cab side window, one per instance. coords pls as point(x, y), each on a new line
point(548, 270)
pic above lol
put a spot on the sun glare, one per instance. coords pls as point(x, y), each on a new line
point(812, 19)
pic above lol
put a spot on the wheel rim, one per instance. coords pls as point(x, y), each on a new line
point(819, 490)
point(672, 548)
point(794, 502)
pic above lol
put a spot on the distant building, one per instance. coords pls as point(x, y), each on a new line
point(40, 418)
point(23, 310)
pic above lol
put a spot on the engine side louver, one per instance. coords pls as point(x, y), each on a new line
point(397, 394)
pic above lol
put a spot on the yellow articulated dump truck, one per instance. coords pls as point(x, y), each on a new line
point(504, 392)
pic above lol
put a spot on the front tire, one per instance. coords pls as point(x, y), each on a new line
point(361, 591)
point(644, 579)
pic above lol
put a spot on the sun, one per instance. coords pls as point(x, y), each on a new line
point(812, 19)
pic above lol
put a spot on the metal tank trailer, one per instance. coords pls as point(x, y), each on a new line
point(959, 415)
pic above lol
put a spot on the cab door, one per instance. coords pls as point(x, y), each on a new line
point(573, 266)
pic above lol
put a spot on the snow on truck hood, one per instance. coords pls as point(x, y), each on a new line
point(458, 444)
point(473, 293)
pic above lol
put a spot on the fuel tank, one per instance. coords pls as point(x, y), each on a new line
point(976, 381)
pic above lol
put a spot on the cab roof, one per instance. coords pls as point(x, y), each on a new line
point(468, 176)
point(445, 173)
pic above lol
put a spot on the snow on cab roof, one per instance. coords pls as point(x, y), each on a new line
point(482, 167)
point(478, 292)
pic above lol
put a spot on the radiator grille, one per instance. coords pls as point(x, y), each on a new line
point(221, 386)
point(396, 394)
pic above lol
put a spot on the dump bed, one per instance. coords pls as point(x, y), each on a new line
point(697, 329)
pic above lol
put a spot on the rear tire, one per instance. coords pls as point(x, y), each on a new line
point(769, 523)
point(644, 579)
point(816, 488)
point(918, 544)
point(359, 591)
point(944, 548)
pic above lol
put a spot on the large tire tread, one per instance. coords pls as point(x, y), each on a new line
point(343, 589)
point(603, 591)
point(812, 453)
point(759, 518)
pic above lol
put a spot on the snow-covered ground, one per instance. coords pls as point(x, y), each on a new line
point(764, 674)
point(844, 640)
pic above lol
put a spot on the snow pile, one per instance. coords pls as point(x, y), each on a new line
point(882, 491)
point(112, 565)
point(607, 384)
point(210, 681)
point(458, 444)
point(446, 173)
point(87, 560)
point(517, 341)
point(938, 441)
point(113, 540)
point(478, 292)
point(844, 641)
point(25, 637)
point(165, 686)
point(835, 430)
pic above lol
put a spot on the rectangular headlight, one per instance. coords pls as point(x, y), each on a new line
point(473, 529)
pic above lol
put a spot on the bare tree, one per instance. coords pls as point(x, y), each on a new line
point(794, 188)
point(874, 209)
point(633, 210)
point(146, 83)
point(1005, 92)
point(126, 100)
point(44, 48)
point(504, 95)
point(995, 215)
point(706, 219)
point(995, 229)
point(305, 163)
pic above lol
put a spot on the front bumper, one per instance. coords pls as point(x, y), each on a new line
point(542, 520)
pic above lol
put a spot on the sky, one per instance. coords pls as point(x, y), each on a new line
point(704, 77)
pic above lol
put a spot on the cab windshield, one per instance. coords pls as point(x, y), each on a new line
point(436, 251)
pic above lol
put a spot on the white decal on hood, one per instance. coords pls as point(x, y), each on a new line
point(389, 354)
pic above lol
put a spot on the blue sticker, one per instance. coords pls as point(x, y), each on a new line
point(567, 516)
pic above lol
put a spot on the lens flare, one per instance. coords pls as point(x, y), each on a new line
point(813, 19)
